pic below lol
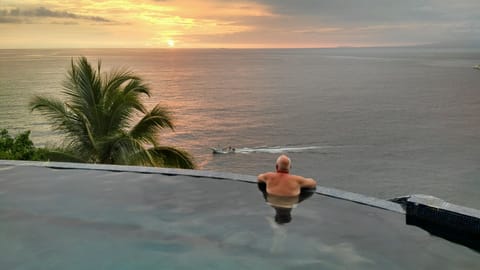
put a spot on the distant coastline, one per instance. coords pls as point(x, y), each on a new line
point(469, 45)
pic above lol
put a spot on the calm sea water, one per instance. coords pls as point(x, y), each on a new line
point(382, 122)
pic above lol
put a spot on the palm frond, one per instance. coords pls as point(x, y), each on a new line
point(158, 118)
point(135, 85)
point(54, 109)
point(132, 90)
point(124, 150)
point(121, 110)
point(118, 78)
point(172, 157)
point(83, 87)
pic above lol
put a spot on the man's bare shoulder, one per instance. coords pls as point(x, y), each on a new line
point(296, 177)
point(265, 176)
point(305, 182)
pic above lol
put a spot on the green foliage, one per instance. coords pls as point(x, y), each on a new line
point(96, 117)
point(19, 147)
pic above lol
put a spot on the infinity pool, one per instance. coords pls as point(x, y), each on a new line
point(95, 219)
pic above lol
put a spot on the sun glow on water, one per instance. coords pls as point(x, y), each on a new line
point(171, 43)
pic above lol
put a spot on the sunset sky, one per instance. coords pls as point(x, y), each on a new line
point(236, 24)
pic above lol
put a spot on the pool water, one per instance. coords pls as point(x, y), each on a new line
point(93, 219)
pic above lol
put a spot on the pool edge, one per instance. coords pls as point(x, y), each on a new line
point(326, 191)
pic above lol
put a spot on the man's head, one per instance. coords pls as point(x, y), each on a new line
point(283, 164)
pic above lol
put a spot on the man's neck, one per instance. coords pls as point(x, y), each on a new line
point(282, 171)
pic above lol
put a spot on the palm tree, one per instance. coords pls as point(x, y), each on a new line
point(98, 120)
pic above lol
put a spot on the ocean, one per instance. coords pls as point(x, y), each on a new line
point(384, 122)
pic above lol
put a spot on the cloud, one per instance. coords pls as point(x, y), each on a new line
point(15, 15)
point(374, 11)
point(9, 20)
point(249, 23)
point(366, 22)
point(312, 14)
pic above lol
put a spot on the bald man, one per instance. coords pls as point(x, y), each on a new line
point(282, 183)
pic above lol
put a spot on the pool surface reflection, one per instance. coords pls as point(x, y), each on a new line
point(95, 219)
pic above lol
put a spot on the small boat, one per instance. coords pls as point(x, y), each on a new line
point(476, 67)
point(222, 151)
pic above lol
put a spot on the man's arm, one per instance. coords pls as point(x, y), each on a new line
point(307, 182)
point(262, 178)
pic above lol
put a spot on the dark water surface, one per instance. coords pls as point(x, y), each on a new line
point(382, 122)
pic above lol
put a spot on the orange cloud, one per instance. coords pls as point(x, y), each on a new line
point(222, 23)
point(128, 23)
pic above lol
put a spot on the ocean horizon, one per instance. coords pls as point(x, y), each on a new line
point(384, 122)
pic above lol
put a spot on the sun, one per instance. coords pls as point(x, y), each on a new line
point(171, 43)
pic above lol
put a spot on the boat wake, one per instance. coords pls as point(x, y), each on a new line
point(280, 149)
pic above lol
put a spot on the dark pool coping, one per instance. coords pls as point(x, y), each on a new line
point(326, 191)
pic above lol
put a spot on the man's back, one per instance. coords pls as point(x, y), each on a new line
point(282, 183)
